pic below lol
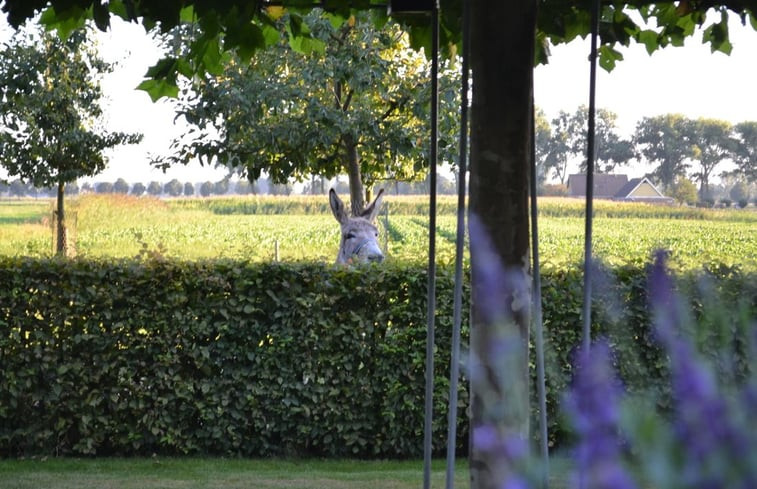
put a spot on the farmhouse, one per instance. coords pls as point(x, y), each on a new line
point(618, 187)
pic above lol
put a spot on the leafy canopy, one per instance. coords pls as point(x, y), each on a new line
point(50, 109)
point(745, 149)
point(554, 148)
point(665, 140)
point(357, 103)
point(246, 27)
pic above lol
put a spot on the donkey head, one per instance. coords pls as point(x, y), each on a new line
point(359, 243)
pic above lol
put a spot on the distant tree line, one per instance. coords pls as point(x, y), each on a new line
point(176, 188)
point(681, 152)
point(678, 148)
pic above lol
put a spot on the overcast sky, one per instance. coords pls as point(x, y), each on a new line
point(689, 80)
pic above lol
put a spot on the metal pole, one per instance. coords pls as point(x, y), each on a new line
point(462, 170)
point(431, 310)
point(590, 176)
point(537, 318)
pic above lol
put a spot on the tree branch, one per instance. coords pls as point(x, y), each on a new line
point(346, 104)
point(394, 105)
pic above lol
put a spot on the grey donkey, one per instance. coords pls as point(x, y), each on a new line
point(359, 242)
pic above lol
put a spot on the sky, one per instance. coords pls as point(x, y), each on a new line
point(689, 80)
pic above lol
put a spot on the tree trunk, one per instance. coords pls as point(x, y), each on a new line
point(352, 163)
point(502, 40)
point(60, 245)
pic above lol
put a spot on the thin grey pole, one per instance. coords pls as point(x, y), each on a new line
point(590, 176)
point(462, 170)
point(431, 304)
point(537, 317)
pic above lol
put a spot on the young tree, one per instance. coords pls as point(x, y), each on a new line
point(189, 189)
point(50, 107)
point(666, 141)
point(500, 155)
point(356, 103)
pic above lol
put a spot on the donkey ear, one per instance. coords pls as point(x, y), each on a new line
point(337, 206)
point(373, 209)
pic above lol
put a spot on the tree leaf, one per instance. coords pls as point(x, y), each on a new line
point(650, 39)
point(158, 89)
point(64, 22)
point(718, 37)
point(608, 57)
point(101, 15)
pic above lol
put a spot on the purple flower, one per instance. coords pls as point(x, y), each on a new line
point(488, 439)
point(663, 301)
point(703, 426)
point(515, 482)
point(510, 452)
point(592, 405)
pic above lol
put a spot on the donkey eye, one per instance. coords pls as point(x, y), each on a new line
point(349, 236)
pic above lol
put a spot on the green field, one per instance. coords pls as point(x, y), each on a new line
point(302, 228)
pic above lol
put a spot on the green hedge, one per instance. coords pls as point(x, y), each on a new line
point(230, 358)
point(216, 358)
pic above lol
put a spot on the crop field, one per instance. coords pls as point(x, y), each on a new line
point(302, 228)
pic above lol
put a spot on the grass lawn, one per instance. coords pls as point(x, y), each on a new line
point(218, 473)
point(141, 473)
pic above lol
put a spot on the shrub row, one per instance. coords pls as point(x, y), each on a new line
point(232, 358)
point(219, 358)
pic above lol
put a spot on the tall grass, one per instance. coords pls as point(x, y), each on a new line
point(306, 204)
point(418, 205)
point(118, 211)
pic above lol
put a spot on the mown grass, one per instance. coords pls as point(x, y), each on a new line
point(203, 473)
point(194, 229)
